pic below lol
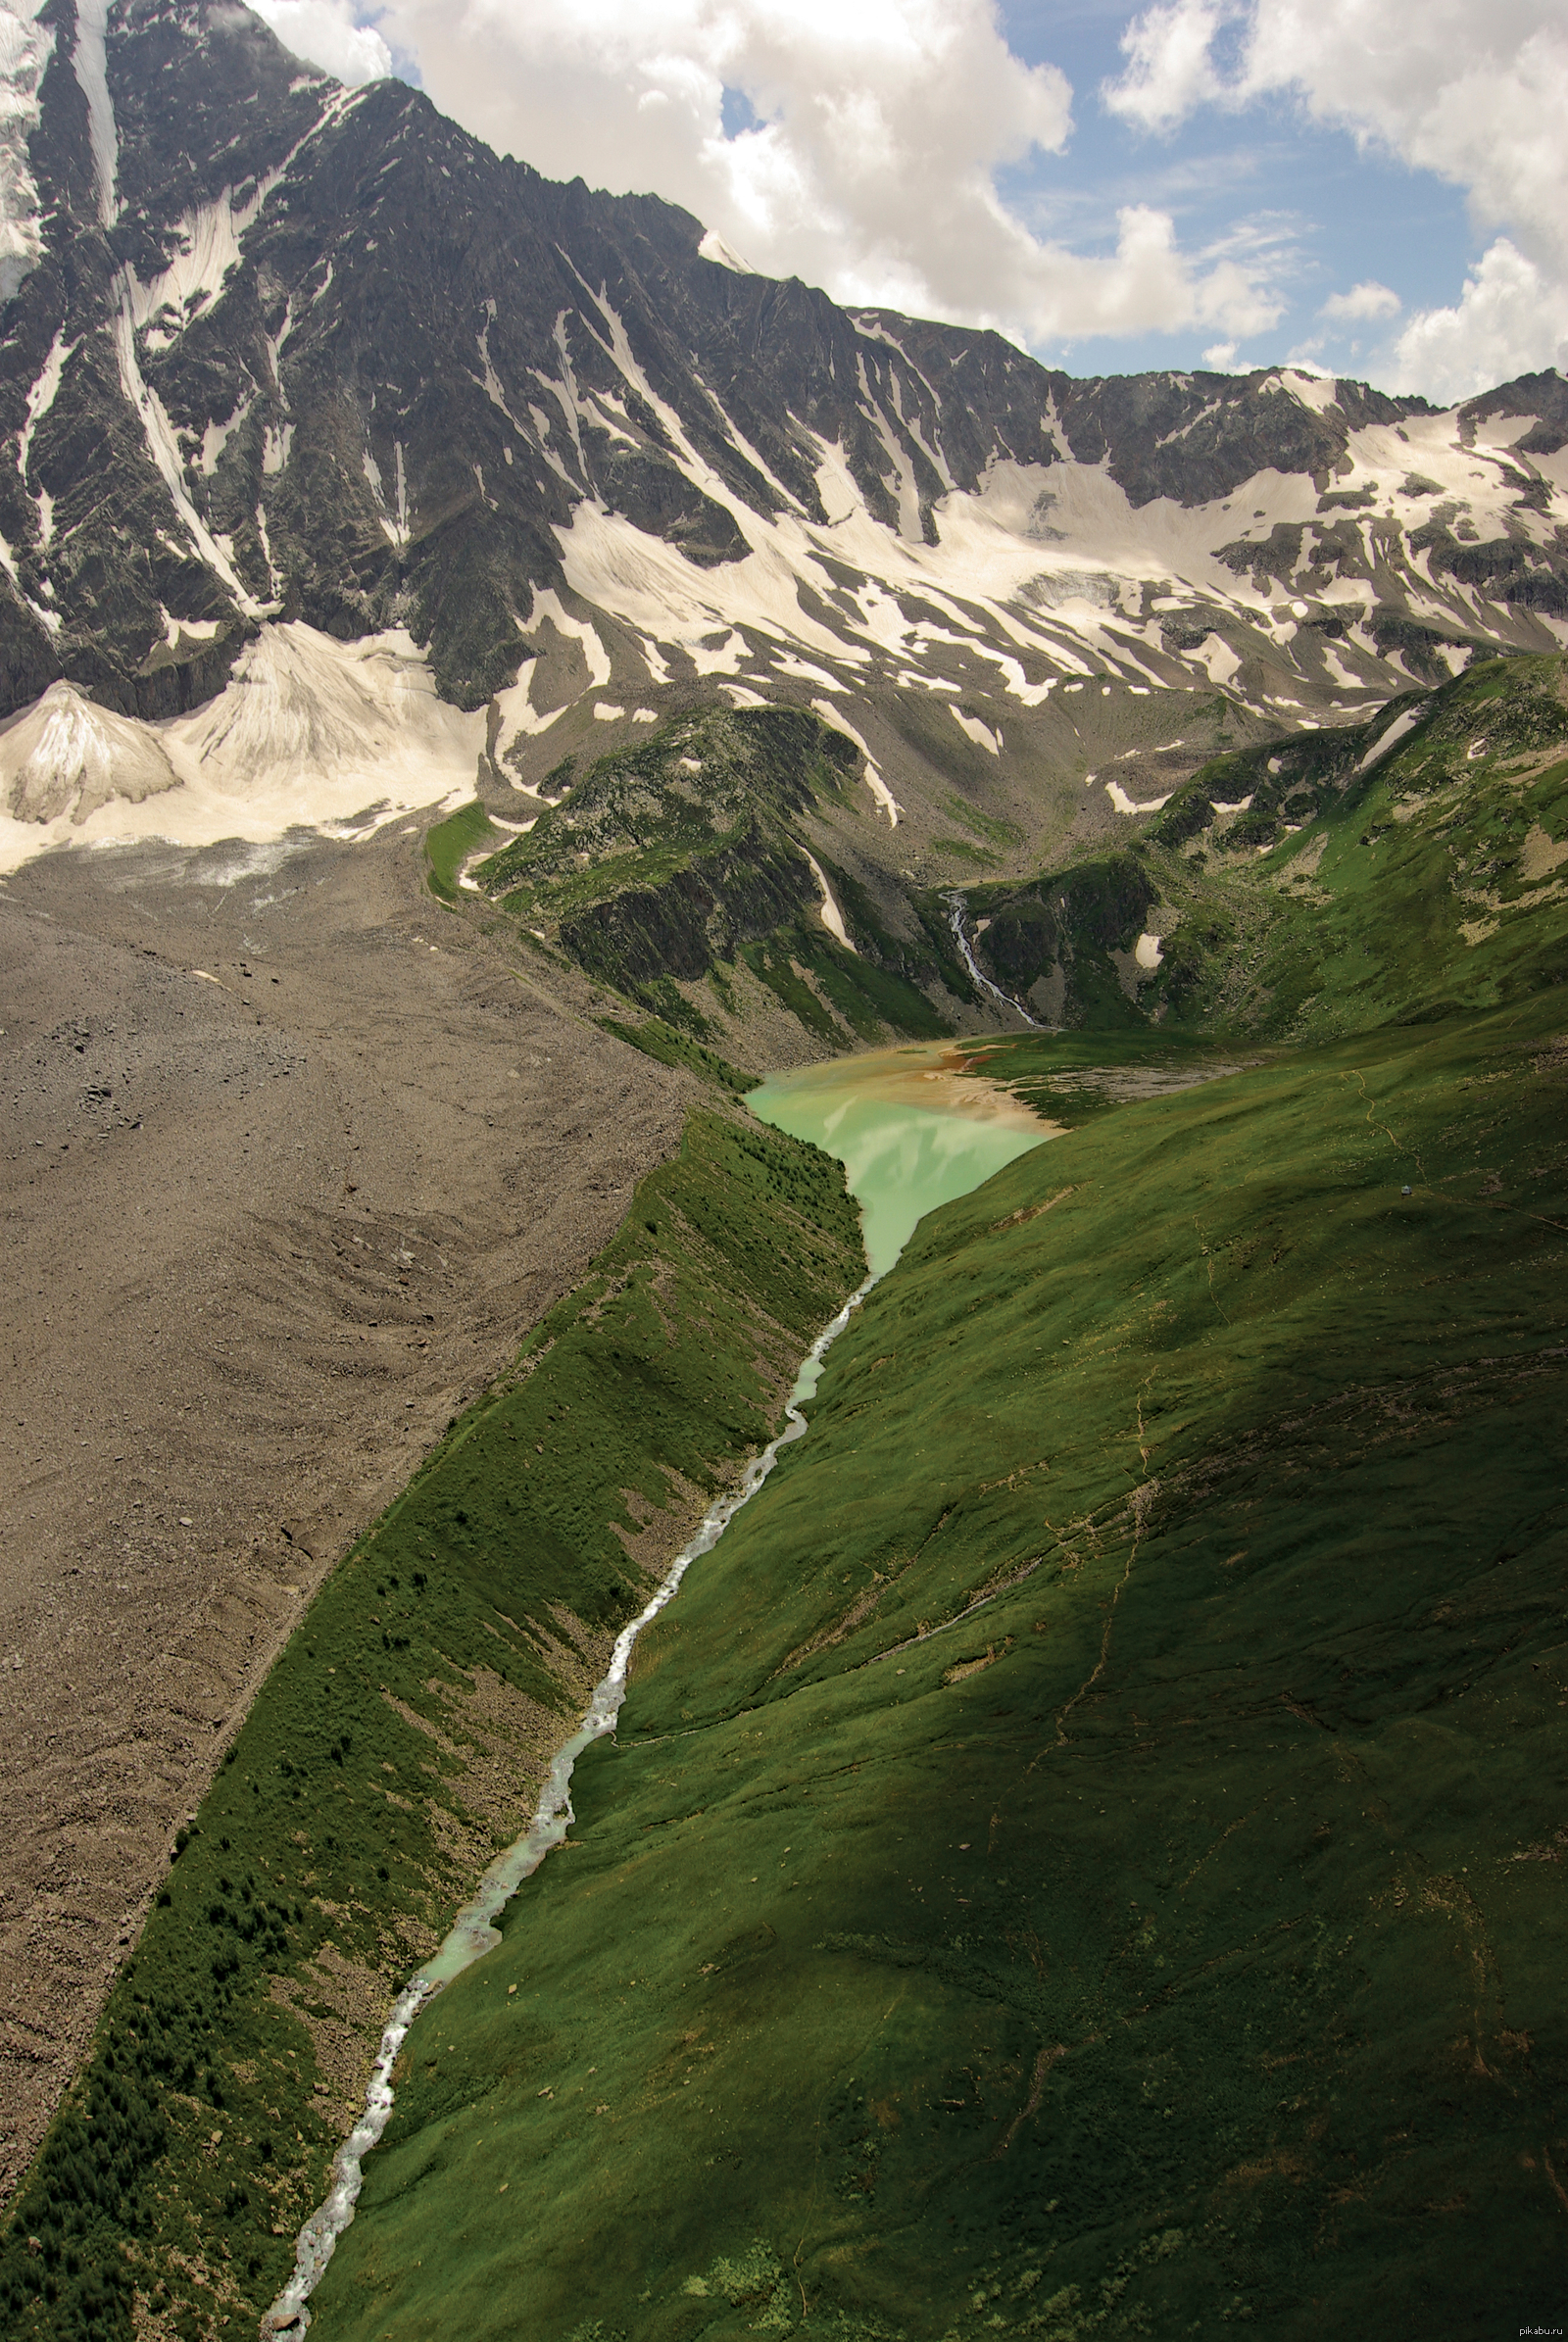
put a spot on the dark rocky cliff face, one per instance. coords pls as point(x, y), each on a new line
point(293, 352)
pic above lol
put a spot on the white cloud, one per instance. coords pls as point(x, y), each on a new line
point(1170, 66)
point(1221, 358)
point(1508, 321)
point(324, 34)
point(1368, 300)
point(1476, 95)
point(881, 129)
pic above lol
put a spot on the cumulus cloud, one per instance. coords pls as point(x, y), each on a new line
point(1477, 95)
point(875, 133)
point(324, 33)
point(1362, 302)
point(1170, 64)
point(1508, 321)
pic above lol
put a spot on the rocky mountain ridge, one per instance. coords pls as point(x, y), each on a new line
point(289, 355)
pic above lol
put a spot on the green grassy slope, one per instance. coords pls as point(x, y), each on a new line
point(675, 862)
point(400, 1739)
point(1339, 897)
point(1435, 886)
point(1083, 1858)
point(448, 846)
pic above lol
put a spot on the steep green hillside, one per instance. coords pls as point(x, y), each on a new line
point(1318, 885)
point(400, 1740)
point(667, 868)
point(1436, 885)
point(1082, 1858)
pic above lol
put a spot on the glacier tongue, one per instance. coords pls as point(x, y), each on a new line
point(309, 733)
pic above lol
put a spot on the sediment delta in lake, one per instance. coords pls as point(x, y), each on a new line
point(914, 1128)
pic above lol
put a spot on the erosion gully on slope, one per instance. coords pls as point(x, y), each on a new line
point(904, 1150)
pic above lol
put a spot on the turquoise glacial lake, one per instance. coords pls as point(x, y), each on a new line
point(913, 1126)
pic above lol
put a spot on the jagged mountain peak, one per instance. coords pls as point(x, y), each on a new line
point(1541, 397)
point(291, 354)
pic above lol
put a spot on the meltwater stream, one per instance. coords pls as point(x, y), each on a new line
point(474, 1932)
point(957, 920)
point(914, 1128)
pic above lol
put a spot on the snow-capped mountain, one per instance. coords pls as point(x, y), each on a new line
point(316, 414)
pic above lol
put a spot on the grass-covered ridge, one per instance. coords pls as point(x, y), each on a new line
point(1082, 1857)
point(1322, 884)
point(660, 1041)
point(400, 1739)
point(675, 862)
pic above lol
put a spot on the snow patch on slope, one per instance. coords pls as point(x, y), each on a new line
point(310, 733)
point(91, 68)
point(1221, 661)
point(547, 603)
point(216, 437)
point(1131, 804)
point(981, 734)
point(490, 378)
point(1319, 392)
point(651, 588)
point(520, 719)
point(25, 48)
point(724, 255)
point(209, 245)
point(878, 787)
point(829, 910)
point(1406, 721)
point(164, 449)
point(40, 398)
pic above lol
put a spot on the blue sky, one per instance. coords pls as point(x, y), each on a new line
point(1116, 186)
point(1339, 211)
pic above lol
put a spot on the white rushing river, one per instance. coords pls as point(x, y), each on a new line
point(475, 1932)
point(913, 1129)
